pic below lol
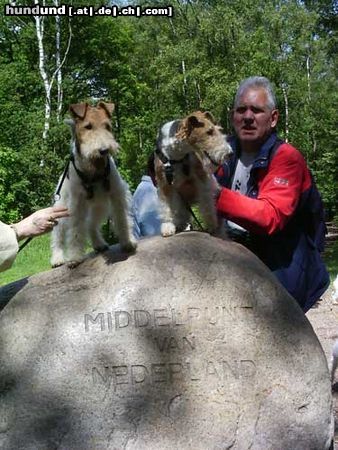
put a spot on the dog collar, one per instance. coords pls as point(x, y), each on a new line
point(170, 163)
point(88, 183)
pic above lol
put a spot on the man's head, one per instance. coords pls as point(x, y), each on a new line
point(255, 114)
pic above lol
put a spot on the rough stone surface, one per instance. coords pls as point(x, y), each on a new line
point(324, 320)
point(188, 344)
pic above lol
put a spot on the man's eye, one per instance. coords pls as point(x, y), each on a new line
point(241, 110)
point(256, 110)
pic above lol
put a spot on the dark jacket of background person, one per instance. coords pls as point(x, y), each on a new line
point(286, 228)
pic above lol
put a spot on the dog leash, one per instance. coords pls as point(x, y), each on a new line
point(195, 218)
point(189, 208)
point(57, 195)
point(170, 163)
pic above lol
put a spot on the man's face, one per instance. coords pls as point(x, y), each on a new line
point(252, 119)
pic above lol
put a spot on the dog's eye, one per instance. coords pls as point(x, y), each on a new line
point(210, 131)
point(108, 127)
point(88, 126)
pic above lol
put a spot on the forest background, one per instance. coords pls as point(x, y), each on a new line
point(155, 69)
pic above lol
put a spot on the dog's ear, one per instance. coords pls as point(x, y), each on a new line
point(78, 110)
point(188, 124)
point(108, 107)
point(209, 116)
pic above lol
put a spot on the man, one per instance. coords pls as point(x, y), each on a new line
point(146, 205)
point(269, 197)
point(38, 223)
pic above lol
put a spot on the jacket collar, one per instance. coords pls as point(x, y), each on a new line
point(263, 155)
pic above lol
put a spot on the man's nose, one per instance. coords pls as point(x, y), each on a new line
point(248, 116)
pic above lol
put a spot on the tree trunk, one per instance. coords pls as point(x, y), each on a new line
point(286, 105)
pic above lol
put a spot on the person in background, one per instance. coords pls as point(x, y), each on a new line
point(269, 198)
point(38, 223)
point(146, 205)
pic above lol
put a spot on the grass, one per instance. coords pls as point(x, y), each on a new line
point(331, 259)
point(32, 259)
point(35, 258)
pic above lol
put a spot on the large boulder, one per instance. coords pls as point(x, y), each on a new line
point(190, 343)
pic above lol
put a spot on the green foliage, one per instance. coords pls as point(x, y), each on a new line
point(158, 68)
point(10, 183)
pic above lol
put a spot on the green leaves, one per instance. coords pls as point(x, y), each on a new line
point(158, 68)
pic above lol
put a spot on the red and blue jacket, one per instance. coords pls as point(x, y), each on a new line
point(284, 216)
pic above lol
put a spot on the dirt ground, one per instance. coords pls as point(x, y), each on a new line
point(324, 320)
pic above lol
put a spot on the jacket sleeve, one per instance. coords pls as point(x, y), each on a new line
point(278, 195)
point(8, 246)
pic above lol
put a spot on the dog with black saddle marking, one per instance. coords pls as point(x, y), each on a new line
point(92, 188)
point(188, 151)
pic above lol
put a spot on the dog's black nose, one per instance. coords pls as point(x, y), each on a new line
point(103, 151)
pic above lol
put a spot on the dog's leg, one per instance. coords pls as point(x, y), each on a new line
point(57, 244)
point(58, 236)
point(97, 215)
point(168, 227)
point(181, 213)
point(121, 203)
point(174, 214)
point(76, 232)
point(207, 206)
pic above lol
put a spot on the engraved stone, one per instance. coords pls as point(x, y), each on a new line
point(190, 343)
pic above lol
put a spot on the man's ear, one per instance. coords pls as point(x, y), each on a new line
point(274, 118)
point(78, 110)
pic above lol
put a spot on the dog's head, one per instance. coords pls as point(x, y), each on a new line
point(201, 131)
point(92, 130)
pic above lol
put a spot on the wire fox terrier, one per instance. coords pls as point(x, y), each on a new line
point(188, 152)
point(92, 188)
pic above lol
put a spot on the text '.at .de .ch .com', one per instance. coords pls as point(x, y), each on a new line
point(91, 11)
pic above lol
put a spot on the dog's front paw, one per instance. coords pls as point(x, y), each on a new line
point(168, 229)
point(57, 261)
point(54, 266)
point(219, 233)
point(129, 247)
point(73, 263)
point(101, 248)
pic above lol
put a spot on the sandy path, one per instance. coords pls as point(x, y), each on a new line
point(324, 319)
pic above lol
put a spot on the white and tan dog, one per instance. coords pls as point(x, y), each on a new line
point(187, 153)
point(93, 189)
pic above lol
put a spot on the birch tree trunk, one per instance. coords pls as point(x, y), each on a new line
point(40, 28)
point(286, 106)
point(185, 86)
point(57, 74)
point(309, 101)
point(58, 63)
